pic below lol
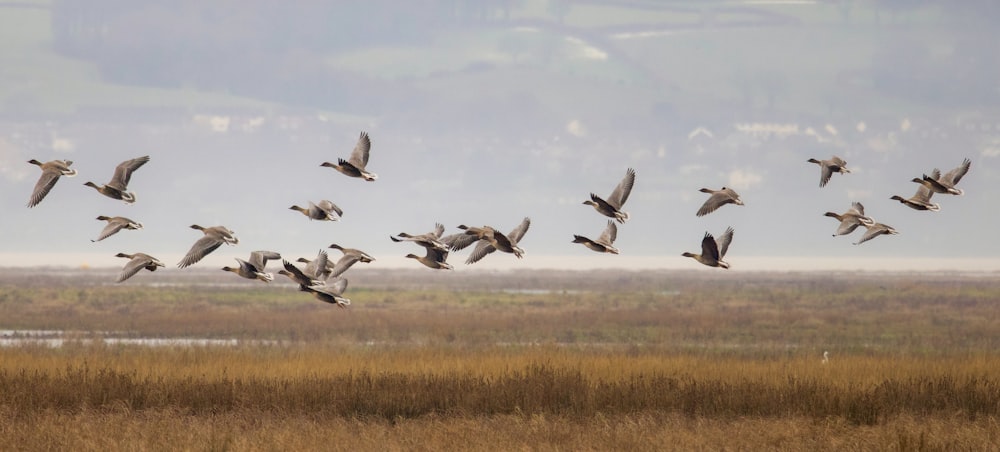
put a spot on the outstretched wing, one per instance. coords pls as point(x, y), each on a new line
point(43, 186)
point(517, 233)
point(709, 248)
point(621, 192)
point(123, 172)
point(482, 249)
point(610, 234)
point(132, 267)
point(258, 259)
point(359, 156)
point(345, 262)
point(952, 177)
point(200, 249)
point(723, 242)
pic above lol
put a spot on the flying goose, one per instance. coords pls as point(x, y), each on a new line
point(612, 207)
point(214, 237)
point(318, 268)
point(435, 258)
point(876, 230)
point(137, 261)
point(921, 200)
point(298, 276)
point(324, 211)
point(116, 224)
point(604, 244)
point(945, 184)
point(330, 293)
point(718, 199)
point(51, 171)
point(491, 240)
point(117, 188)
point(361, 255)
point(429, 240)
point(254, 268)
point(355, 165)
point(713, 250)
point(850, 220)
point(828, 167)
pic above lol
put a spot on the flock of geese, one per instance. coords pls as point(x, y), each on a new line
point(322, 276)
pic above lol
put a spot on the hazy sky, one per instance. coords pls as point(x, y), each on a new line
point(495, 126)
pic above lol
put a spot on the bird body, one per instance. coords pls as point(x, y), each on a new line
point(325, 210)
point(361, 255)
point(428, 240)
point(605, 243)
point(435, 258)
point(137, 261)
point(945, 184)
point(51, 172)
point(214, 237)
point(355, 165)
point(713, 250)
point(612, 206)
point(850, 220)
point(254, 268)
point(491, 240)
point(331, 292)
point(117, 188)
point(114, 225)
point(719, 198)
point(828, 167)
point(921, 200)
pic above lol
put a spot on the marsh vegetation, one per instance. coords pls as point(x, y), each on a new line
point(550, 360)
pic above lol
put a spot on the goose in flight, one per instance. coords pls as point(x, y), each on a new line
point(850, 220)
point(828, 167)
point(713, 250)
point(354, 166)
point(921, 200)
point(137, 261)
point(361, 255)
point(435, 258)
point(491, 240)
point(51, 172)
point(298, 276)
point(876, 230)
point(117, 188)
point(330, 293)
point(945, 184)
point(325, 210)
point(429, 240)
point(612, 206)
point(114, 225)
point(604, 243)
point(718, 199)
point(254, 268)
point(214, 237)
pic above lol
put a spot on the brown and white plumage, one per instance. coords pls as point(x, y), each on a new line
point(361, 255)
point(51, 172)
point(850, 220)
point(114, 225)
point(428, 240)
point(355, 165)
point(331, 292)
point(117, 188)
point(604, 243)
point(713, 250)
point(718, 199)
point(214, 237)
point(945, 184)
point(254, 268)
point(318, 268)
point(324, 210)
point(434, 258)
point(491, 240)
point(875, 230)
point(137, 261)
point(828, 167)
point(612, 206)
point(921, 200)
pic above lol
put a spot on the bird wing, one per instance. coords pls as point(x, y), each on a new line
point(610, 234)
point(296, 273)
point(848, 225)
point(45, 183)
point(459, 241)
point(138, 262)
point(723, 242)
point(923, 194)
point(359, 156)
point(713, 202)
point(123, 172)
point(517, 233)
point(329, 206)
point(857, 208)
point(316, 269)
point(438, 230)
point(437, 255)
point(620, 194)
point(825, 173)
point(952, 177)
point(873, 231)
point(338, 286)
point(482, 249)
point(200, 249)
point(709, 248)
point(114, 225)
point(259, 258)
point(345, 262)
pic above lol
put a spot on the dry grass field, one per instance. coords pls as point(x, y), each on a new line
point(508, 361)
